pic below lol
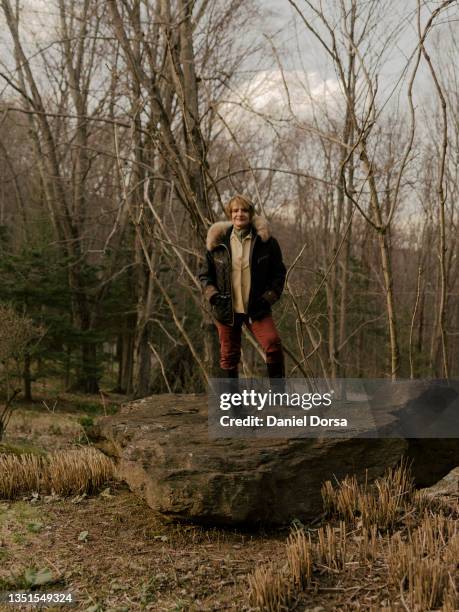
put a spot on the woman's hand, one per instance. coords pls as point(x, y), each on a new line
point(220, 300)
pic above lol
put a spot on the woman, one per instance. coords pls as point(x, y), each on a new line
point(242, 277)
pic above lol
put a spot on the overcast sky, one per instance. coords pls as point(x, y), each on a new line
point(302, 57)
point(301, 52)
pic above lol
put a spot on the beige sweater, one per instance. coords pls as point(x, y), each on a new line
point(240, 273)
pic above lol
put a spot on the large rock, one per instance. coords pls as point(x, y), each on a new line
point(448, 485)
point(164, 454)
point(426, 413)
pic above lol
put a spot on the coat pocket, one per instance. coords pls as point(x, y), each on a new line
point(262, 258)
point(222, 308)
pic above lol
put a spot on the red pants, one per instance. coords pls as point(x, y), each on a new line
point(264, 331)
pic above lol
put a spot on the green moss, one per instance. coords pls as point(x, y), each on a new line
point(18, 537)
point(86, 421)
point(97, 409)
point(26, 511)
point(21, 448)
point(13, 583)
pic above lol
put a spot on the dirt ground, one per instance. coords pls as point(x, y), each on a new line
point(114, 554)
point(110, 550)
point(129, 559)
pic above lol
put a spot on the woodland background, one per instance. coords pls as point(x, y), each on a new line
point(125, 125)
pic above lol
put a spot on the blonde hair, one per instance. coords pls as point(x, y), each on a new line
point(241, 201)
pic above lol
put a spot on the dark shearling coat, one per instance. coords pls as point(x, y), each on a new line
point(267, 270)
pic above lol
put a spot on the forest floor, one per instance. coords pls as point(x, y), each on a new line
point(113, 553)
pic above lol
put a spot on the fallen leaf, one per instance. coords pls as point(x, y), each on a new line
point(163, 538)
point(38, 577)
point(79, 498)
point(83, 536)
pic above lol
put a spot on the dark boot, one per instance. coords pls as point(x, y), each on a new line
point(276, 370)
point(232, 384)
point(233, 373)
point(276, 375)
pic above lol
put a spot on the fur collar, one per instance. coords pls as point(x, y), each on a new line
point(218, 230)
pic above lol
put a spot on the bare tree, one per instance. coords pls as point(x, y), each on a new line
point(16, 334)
point(364, 117)
point(67, 174)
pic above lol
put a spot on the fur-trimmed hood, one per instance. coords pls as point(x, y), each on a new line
point(218, 230)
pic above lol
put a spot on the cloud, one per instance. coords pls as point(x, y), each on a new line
point(281, 95)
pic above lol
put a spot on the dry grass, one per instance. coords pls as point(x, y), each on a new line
point(424, 566)
point(343, 499)
point(271, 587)
point(19, 474)
point(299, 558)
point(331, 547)
point(450, 600)
point(368, 544)
point(37, 422)
point(406, 540)
point(79, 471)
point(381, 504)
point(424, 501)
point(62, 473)
point(268, 590)
point(328, 497)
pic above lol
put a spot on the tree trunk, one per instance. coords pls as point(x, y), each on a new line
point(88, 378)
point(126, 361)
point(390, 304)
point(142, 364)
point(127, 366)
point(27, 378)
point(211, 347)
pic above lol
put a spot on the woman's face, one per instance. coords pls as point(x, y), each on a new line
point(240, 216)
